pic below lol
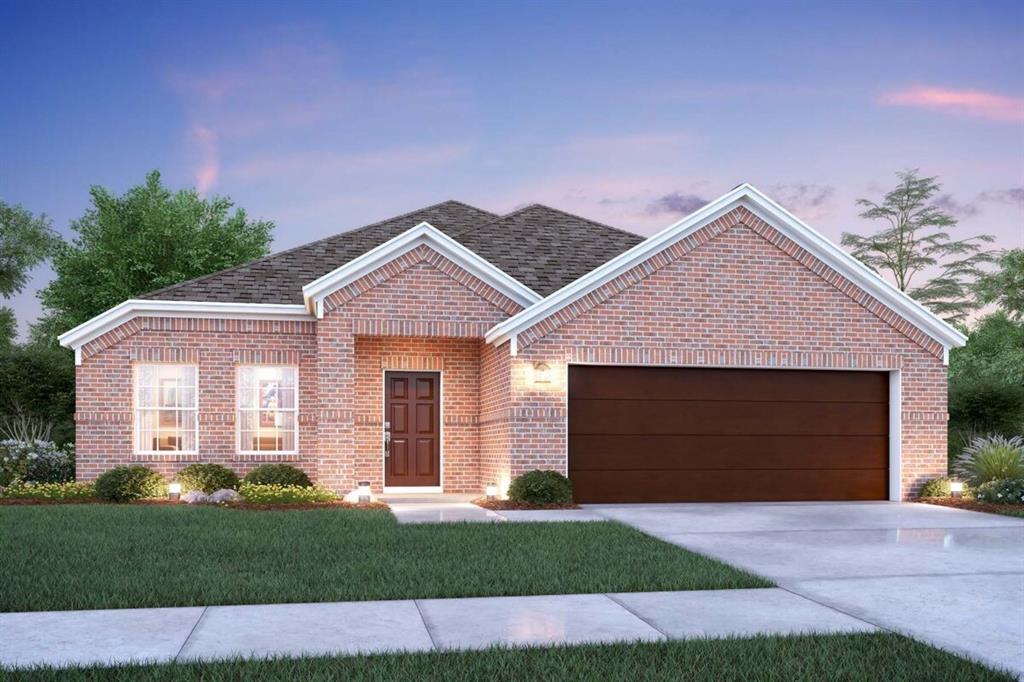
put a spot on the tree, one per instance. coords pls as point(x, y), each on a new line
point(146, 239)
point(1005, 286)
point(25, 241)
point(986, 382)
point(917, 239)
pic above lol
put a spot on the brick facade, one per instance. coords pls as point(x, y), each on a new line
point(737, 293)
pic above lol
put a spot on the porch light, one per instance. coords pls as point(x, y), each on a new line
point(364, 492)
point(174, 491)
point(541, 373)
point(492, 491)
point(956, 488)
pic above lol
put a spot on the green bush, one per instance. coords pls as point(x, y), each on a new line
point(278, 474)
point(1002, 491)
point(49, 491)
point(541, 487)
point(124, 484)
point(270, 493)
point(991, 458)
point(937, 487)
point(40, 461)
point(207, 477)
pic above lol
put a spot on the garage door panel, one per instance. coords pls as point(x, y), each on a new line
point(692, 434)
point(653, 452)
point(728, 384)
point(727, 485)
point(616, 416)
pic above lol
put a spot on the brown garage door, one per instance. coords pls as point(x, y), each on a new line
point(652, 434)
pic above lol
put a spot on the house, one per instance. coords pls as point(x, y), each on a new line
point(735, 355)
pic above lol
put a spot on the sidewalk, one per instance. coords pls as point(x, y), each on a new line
point(63, 638)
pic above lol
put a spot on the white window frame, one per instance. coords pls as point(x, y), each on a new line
point(137, 409)
point(239, 410)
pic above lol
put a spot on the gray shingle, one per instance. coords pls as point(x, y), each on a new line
point(543, 248)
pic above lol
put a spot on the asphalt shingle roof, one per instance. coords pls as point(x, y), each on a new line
point(542, 247)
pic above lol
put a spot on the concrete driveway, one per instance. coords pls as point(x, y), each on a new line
point(948, 577)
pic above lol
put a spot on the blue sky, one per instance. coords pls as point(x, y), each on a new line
point(326, 116)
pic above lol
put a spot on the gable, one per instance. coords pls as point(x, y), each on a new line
point(408, 248)
point(747, 206)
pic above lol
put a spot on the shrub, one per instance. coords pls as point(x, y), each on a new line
point(271, 493)
point(124, 484)
point(207, 478)
point(990, 458)
point(39, 461)
point(1002, 491)
point(541, 487)
point(937, 487)
point(50, 491)
point(278, 474)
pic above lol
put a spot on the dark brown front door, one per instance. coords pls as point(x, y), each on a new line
point(412, 426)
point(651, 434)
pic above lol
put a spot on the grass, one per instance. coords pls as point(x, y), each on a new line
point(119, 556)
point(875, 656)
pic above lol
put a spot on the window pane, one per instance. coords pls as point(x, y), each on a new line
point(287, 398)
point(287, 440)
point(287, 375)
point(147, 396)
point(146, 375)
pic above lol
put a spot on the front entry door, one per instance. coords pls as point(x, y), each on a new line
point(412, 429)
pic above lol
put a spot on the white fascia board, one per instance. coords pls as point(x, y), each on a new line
point(423, 234)
point(121, 313)
point(749, 197)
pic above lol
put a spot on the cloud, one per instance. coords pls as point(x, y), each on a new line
point(392, 160)
point(810, 201)
point(675, 203)
point(961, 210)
point(206, 167)
point(1013, 195)
point(970, 103)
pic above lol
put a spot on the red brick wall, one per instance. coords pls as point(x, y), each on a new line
point(104, 394)
point(736, 296)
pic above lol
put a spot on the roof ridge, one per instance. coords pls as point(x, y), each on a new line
point(308, 244)
point(549, 208)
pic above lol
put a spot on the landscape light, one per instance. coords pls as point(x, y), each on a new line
point(174, 491)
point(492, 491)
point(956, 488)
point(364, 492)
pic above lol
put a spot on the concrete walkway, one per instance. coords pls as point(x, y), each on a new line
point(63, 638)
point(951, 578)
point(456, 508)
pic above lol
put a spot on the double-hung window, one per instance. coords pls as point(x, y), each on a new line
point(166, 408)
point(268, 409)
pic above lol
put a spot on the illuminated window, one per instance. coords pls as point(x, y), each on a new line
point(267, 408)
point(166, 414)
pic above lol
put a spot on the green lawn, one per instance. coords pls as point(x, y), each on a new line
point(811, 657)
point(117, 556)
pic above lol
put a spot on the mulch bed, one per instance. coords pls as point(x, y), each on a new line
point(973, 505)
point(337, 504)
point(500, 505)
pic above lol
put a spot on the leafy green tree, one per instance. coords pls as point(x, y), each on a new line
point(1005, 286)
point(917, 238)
point(146, 239)
point(25, 241)
point(986, 382)
point(38, 382)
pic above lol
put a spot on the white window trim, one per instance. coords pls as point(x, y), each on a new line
point(136, 408)
point(238, 410)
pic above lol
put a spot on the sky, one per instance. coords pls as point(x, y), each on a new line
point(327, 116)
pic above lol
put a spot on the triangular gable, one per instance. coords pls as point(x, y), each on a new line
point(423, 234)
point(748, 197)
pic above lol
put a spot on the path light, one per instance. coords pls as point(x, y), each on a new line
point(956, 488)
point(174, 491)
point(492, 491)
point(541, 373)
point(364, 492)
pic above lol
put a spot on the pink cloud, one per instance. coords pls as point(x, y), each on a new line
point(973, 103)
point(207, 158)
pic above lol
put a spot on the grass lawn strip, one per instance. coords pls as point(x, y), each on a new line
point(67, 557)
point(973, 505)
point(874, 656)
